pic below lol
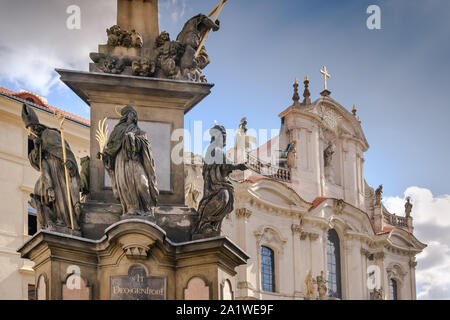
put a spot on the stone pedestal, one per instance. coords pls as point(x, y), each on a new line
point(133, 260)
point(161, 105)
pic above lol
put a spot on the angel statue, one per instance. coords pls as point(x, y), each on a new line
point(218, 194)
point(128, 159)
point(56, 195)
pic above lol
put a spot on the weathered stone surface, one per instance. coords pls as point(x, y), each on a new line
point(177, 222)
point(138, 286)
point(218, 194)
point(56, 195)
point(176, 60)
point(128, 159)
point(126, 244)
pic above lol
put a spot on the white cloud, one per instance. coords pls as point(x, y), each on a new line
point(178, 8)
point(431, 226)
point(30, 68)
point(39, 41)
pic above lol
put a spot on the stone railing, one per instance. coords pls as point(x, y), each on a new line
point(267, 169)
point(395, 220)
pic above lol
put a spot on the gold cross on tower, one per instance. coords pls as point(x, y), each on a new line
point(326, 75)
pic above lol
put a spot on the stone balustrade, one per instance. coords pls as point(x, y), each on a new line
point(267, 169)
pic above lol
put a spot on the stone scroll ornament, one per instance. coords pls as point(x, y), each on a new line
point(127, 157)
point(218, 194)
point(56, 195)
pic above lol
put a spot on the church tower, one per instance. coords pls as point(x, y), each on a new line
point(330, 146)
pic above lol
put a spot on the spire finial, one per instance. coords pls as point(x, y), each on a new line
point(296, 97)
point(354, 110)
point(306, 93)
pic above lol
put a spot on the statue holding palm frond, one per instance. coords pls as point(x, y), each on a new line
point(128, 159)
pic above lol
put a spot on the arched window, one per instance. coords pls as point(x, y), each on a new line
point(334, 264)
point(267, 269)
point(394, 289)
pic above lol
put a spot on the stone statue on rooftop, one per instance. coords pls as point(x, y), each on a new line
point(52, 198)
point(379, 195)
point(408, 207)
point(128, 159)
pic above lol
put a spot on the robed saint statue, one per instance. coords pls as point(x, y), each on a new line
point(128, 159)
point(56, 196)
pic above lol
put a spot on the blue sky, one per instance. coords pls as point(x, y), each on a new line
point(398, 76)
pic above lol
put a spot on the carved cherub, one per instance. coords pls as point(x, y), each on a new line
point(113, 35)
point(136, 39)
point(143, 67)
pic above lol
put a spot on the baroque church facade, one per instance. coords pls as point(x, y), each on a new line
point(313, 227)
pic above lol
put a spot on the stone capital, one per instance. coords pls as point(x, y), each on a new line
point(365, 252)
point(296, 228)
point(378, 255)
point(243, 213)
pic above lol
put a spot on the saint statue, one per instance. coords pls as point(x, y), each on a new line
point(377, 294)
point(328, 161)
point(51, 194)
point(328, 154)
point(128, 159)
point(218, 194)
point(408, 207)
point(309, 285)
point(379, 195)
point(321, 285)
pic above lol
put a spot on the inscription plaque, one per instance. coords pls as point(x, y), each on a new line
point(138, 286)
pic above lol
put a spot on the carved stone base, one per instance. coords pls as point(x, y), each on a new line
point(177, 221)
point(133, 260)
point(146, 217)
point(65, 230)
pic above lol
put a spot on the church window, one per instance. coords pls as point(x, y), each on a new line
point(267, 269)
point(394, 289)
point(334, 264)
point(32, 221)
